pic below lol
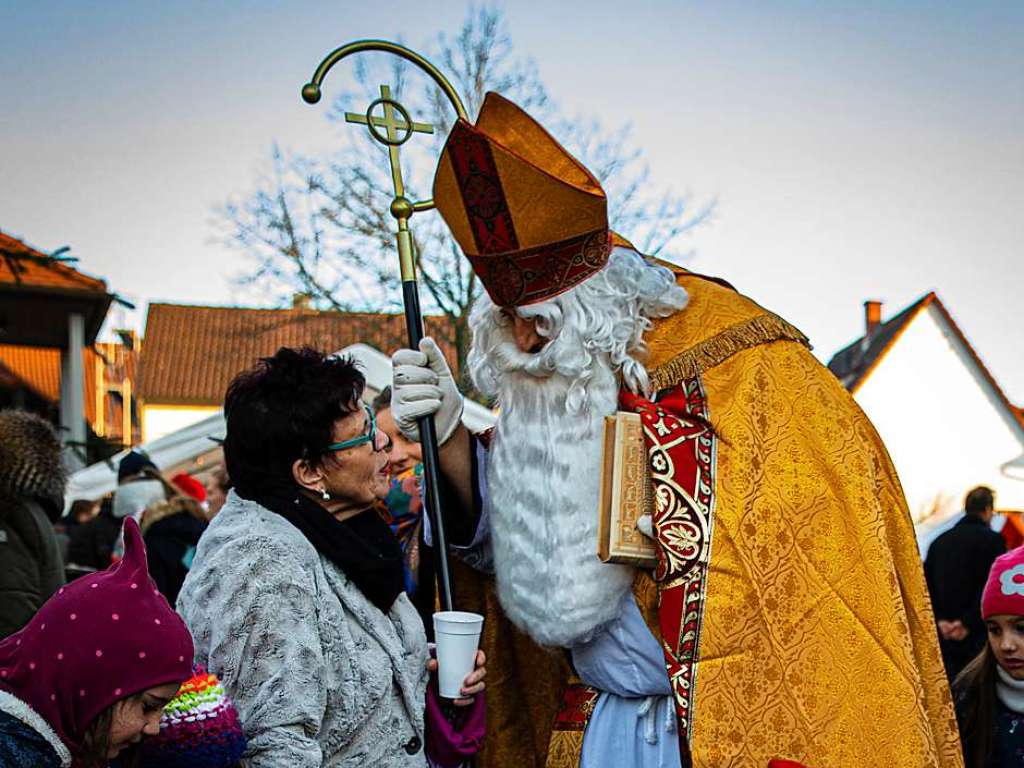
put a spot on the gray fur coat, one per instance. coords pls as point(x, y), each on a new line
point(319, 675)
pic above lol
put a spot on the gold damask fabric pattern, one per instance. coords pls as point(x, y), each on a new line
point(818, 642)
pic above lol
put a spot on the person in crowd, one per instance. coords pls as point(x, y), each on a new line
point(989, 692)
point(91, 544)
point(405, 454)
point(199, 728)
point(185, 484)
point(295, 598)
point(956, 569)
point(95, 545)
point(403, 510)
point(32, 481)
point(217, 486)
point(776, 500)
point(171, 530)
point(90, 674)
point(81, 512)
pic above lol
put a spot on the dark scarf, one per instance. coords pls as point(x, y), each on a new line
point(363, 547)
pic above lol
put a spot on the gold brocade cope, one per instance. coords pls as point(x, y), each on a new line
point(817, 622)
point(817, 641)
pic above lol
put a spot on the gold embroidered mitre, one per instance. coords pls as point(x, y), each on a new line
point(532, 221)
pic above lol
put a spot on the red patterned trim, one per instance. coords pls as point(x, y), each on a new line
point(482, 193)
point(681, 454)
point(578, 701)
point(517, 278)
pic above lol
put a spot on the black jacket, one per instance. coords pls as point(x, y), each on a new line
point(956, 569)
point(170, 545)
point(31, 498)
point(32, 569)
point(92, 543)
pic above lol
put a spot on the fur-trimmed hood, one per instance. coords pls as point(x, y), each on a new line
point(31, 465)
point(23, 713)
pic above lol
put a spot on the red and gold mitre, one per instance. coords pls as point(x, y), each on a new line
point(532, 221)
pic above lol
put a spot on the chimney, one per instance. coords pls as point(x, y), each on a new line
point(301, 301)
point(872, 316)
point(128, 337)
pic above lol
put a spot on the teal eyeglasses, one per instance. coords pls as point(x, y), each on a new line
point(370, 437)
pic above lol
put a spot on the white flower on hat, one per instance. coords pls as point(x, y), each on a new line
point(1008, 580)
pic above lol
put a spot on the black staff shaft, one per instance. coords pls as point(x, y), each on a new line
point(431, 460)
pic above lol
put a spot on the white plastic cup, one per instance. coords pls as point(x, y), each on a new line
point(456, 635)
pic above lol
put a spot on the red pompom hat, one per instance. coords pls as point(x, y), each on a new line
point(100, 639)
point(1004, 590)
point(189, 486)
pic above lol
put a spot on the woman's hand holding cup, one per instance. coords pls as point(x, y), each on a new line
point(474, 682)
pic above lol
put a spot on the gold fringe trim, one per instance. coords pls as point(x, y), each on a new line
point(762, 329)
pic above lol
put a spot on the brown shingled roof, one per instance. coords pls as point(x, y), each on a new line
point(38, 368)
point(23, 265)
point(191, 353)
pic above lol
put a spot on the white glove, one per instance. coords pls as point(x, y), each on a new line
point(422, 385)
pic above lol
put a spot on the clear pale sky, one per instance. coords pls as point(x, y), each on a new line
point(857, 150)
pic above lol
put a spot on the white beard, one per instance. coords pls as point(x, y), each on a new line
point(544, 478)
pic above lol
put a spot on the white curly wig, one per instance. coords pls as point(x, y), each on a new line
point(604, 316)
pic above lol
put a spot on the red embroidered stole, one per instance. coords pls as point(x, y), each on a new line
point(681, 460)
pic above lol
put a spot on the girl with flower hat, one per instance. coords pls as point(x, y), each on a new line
point(989, 693)
point(90, 674)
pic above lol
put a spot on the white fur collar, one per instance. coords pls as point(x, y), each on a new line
point(15, 707)
point(1010, 691)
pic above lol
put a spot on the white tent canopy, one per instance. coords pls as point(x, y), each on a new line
point(188, 443)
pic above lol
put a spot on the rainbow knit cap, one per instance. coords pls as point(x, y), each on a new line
point(199, 728)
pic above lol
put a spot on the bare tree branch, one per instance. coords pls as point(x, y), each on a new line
point(322, 227)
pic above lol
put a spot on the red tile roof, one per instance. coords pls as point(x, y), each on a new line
point(22, 264)
point(38, 368)
point(190, 354)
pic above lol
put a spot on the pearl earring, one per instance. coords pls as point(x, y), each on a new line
point(325, 495)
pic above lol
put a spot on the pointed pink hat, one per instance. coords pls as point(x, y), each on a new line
point(99, 639)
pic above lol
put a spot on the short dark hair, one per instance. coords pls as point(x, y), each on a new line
point(382, 401)
point(81, 505)
point(979, 500)
point(284, 409)
point(221, 479)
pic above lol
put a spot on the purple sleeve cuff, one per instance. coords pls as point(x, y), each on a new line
point(452, 739)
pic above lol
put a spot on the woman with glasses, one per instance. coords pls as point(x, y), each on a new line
point(295, 598)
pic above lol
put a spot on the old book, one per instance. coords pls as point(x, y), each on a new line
point(625, 493)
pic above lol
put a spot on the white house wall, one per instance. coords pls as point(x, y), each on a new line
point(942, 422)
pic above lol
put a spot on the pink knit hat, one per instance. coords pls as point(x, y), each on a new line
point(99, 639)
point(1004, 590)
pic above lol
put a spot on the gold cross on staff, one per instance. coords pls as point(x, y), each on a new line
point(391, 126)
point(388, 122)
